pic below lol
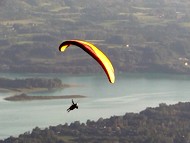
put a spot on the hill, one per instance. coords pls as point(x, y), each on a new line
point(163, 124)
point(137, 35)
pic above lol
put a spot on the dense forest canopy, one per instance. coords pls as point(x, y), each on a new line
point(137, 35)
point(163, 124)
point(30, 83)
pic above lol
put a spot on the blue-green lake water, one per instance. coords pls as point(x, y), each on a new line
point(130, 93)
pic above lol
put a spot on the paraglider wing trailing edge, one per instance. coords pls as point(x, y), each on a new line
point(93, 51)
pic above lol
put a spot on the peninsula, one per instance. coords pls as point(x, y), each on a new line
point(20, 87)
point(25, 97)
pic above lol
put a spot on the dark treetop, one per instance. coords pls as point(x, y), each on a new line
point(163, 124)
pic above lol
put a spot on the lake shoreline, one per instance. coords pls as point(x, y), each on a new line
point(25, 97)
point(21, 94)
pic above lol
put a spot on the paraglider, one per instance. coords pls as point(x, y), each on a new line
point(73, 106)
point(93, 51)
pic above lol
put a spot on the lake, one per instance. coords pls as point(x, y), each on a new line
point(130, 93)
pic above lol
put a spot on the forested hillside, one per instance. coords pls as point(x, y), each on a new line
point(137, 35)
point(163, 124)
point(30, 83)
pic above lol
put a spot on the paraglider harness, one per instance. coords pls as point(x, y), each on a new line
point(73, 106)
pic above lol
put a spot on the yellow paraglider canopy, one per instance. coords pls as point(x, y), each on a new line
point(92, 50)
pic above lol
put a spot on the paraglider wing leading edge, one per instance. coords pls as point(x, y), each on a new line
point(98, 55)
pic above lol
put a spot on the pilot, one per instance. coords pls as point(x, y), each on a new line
point(73, 106)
